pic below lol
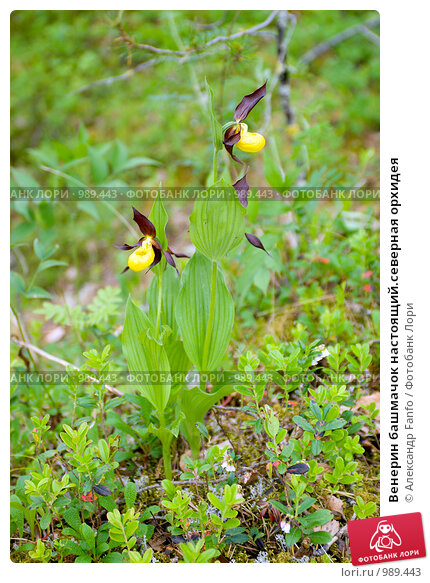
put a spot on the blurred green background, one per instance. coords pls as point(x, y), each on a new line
point(156, 113)
point(151, 127)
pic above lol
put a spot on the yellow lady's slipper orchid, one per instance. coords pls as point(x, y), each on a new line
point(142, 257)
point(250, 141)
point(236, 133)
point(147, 251)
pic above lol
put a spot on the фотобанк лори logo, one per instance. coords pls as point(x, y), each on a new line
point(388, 538)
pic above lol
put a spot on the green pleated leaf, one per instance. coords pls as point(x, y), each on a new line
point(196, 403)
point(178, 361)
point(143, 354)
point(217, 226)
point(192, 313)
point(169, 295)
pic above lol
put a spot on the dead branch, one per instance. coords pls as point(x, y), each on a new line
point(340, 37)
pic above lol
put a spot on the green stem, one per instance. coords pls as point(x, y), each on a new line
point(160, 290)
point(215, 166)
point(167, 458)
point(211, 316)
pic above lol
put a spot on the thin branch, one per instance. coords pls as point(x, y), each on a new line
point(249, 32)
point(141, 67)
point(177, 56)
point(61, 362)
point(340, 37)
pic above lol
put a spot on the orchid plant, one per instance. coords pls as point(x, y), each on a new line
point(190, 317)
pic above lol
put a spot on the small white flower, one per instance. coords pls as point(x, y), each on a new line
point(285, 526)
point(323, 354)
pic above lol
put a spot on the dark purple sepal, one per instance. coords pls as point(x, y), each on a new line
point(248, 103)
point(241, 187)
point(144, 224)
point(254, 240)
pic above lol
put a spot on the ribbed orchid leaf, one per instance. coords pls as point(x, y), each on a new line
point(192, 313)
point(217, 226)
point(144, 355)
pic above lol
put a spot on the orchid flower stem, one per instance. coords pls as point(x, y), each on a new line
point(167, 458)
point(211, 317)
point(215, 166)
point(159, 304)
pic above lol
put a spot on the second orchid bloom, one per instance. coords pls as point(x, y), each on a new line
point(236, 132)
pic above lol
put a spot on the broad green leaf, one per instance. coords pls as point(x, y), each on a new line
point(217, 226)
point(178, 360)
point(145, 355)
point(169, 295)
point(195, 403)
point(192, 313)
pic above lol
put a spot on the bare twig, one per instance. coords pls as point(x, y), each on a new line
point(214, 41)
point(61, 362)
point(141, 67)
point(340, 37)
point(180, 57)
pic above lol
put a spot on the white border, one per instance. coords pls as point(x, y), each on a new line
point(405, 134)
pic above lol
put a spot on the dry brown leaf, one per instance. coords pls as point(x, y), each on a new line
point(187, 453)
point(336, 506)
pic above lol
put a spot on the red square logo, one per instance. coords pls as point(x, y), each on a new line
point(387, 538)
